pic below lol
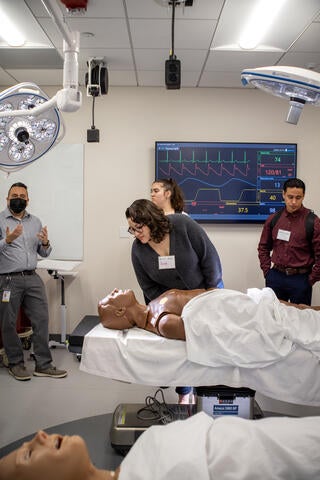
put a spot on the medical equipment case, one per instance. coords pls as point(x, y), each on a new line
point(130, 420)
point(222, 400)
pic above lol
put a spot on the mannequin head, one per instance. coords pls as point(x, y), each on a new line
point(118, 308)
point(50, 457)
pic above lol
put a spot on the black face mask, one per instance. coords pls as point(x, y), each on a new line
point(17, 205)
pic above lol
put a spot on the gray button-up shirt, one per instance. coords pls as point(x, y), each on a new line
point(22, 253)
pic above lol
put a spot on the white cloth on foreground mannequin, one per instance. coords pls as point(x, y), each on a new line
point(228, 448)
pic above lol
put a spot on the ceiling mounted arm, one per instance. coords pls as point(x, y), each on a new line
point(57, 17)
point(69, 98)
point(30, 122)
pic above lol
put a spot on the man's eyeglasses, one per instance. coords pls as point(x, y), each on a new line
point(134, 230)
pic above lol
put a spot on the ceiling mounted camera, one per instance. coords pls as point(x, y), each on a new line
point(96, 78)
point(97, 84)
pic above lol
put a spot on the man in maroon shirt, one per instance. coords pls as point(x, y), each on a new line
point(285, 244)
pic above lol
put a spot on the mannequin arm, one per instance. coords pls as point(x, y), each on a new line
point(170, 325)
point(301, 306)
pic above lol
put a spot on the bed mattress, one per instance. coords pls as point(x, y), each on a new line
point(140, 357)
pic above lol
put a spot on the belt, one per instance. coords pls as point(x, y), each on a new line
point(24, 272)
point(292, 270)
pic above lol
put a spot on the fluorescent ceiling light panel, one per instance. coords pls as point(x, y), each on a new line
point(9, 33)
point(16, 16)
point(259, 23)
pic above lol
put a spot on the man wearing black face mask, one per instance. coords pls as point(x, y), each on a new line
point(22, 239)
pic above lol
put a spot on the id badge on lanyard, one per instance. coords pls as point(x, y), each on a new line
point(6, 292)
point(6, 296)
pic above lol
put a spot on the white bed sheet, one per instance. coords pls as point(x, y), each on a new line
point(229, 448)
point(141, 357)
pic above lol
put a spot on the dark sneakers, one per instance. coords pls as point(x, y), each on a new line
point(19, 372)
point(51, 371)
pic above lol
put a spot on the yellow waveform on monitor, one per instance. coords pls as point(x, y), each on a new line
point(215, 196)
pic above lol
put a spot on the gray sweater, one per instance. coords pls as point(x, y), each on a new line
point(197, 263)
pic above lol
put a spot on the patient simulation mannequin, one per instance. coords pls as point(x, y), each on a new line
point(120, 310)
point(197, 448)
point(221, 327)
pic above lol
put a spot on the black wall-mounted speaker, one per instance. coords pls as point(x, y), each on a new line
point(173, 74)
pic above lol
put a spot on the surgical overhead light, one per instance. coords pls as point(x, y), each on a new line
point(26, 137)
point(298, 85)
point(30, 121)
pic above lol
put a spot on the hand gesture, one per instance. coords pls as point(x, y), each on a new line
point(15, 233)
point(43, 236)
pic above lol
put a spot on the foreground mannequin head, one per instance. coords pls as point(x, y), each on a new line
point(51, 457)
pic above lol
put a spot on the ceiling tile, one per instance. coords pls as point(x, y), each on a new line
point(133, 37)
point(44, 77)
point(230, 61)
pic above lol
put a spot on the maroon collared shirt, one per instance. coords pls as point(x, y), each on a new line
point(293, 253)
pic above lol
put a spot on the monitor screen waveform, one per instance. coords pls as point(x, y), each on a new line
point(228, 182)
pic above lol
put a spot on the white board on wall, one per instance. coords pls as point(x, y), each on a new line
point(55, 187)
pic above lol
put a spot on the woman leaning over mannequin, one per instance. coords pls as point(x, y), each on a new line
point(170, 251)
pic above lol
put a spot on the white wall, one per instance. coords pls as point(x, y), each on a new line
point(120, 169)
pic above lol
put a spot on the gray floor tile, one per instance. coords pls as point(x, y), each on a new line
point(26, 407)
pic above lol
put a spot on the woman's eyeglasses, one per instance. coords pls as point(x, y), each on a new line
point(134, 230)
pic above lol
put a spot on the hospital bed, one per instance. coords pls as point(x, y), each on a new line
point(140, 357)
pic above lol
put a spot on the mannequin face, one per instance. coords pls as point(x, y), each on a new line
point(159, 195)
point(48, 457)
point(119, 299)
point(118, 309)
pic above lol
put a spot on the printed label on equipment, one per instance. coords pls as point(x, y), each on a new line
point(225, 409)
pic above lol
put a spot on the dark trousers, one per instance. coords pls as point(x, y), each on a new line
point(291, 288)
point(28, 291)
point(183, 390)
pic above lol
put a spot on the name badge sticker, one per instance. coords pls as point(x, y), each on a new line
point(167, 262)
point(283, 235)
point(6, 296)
